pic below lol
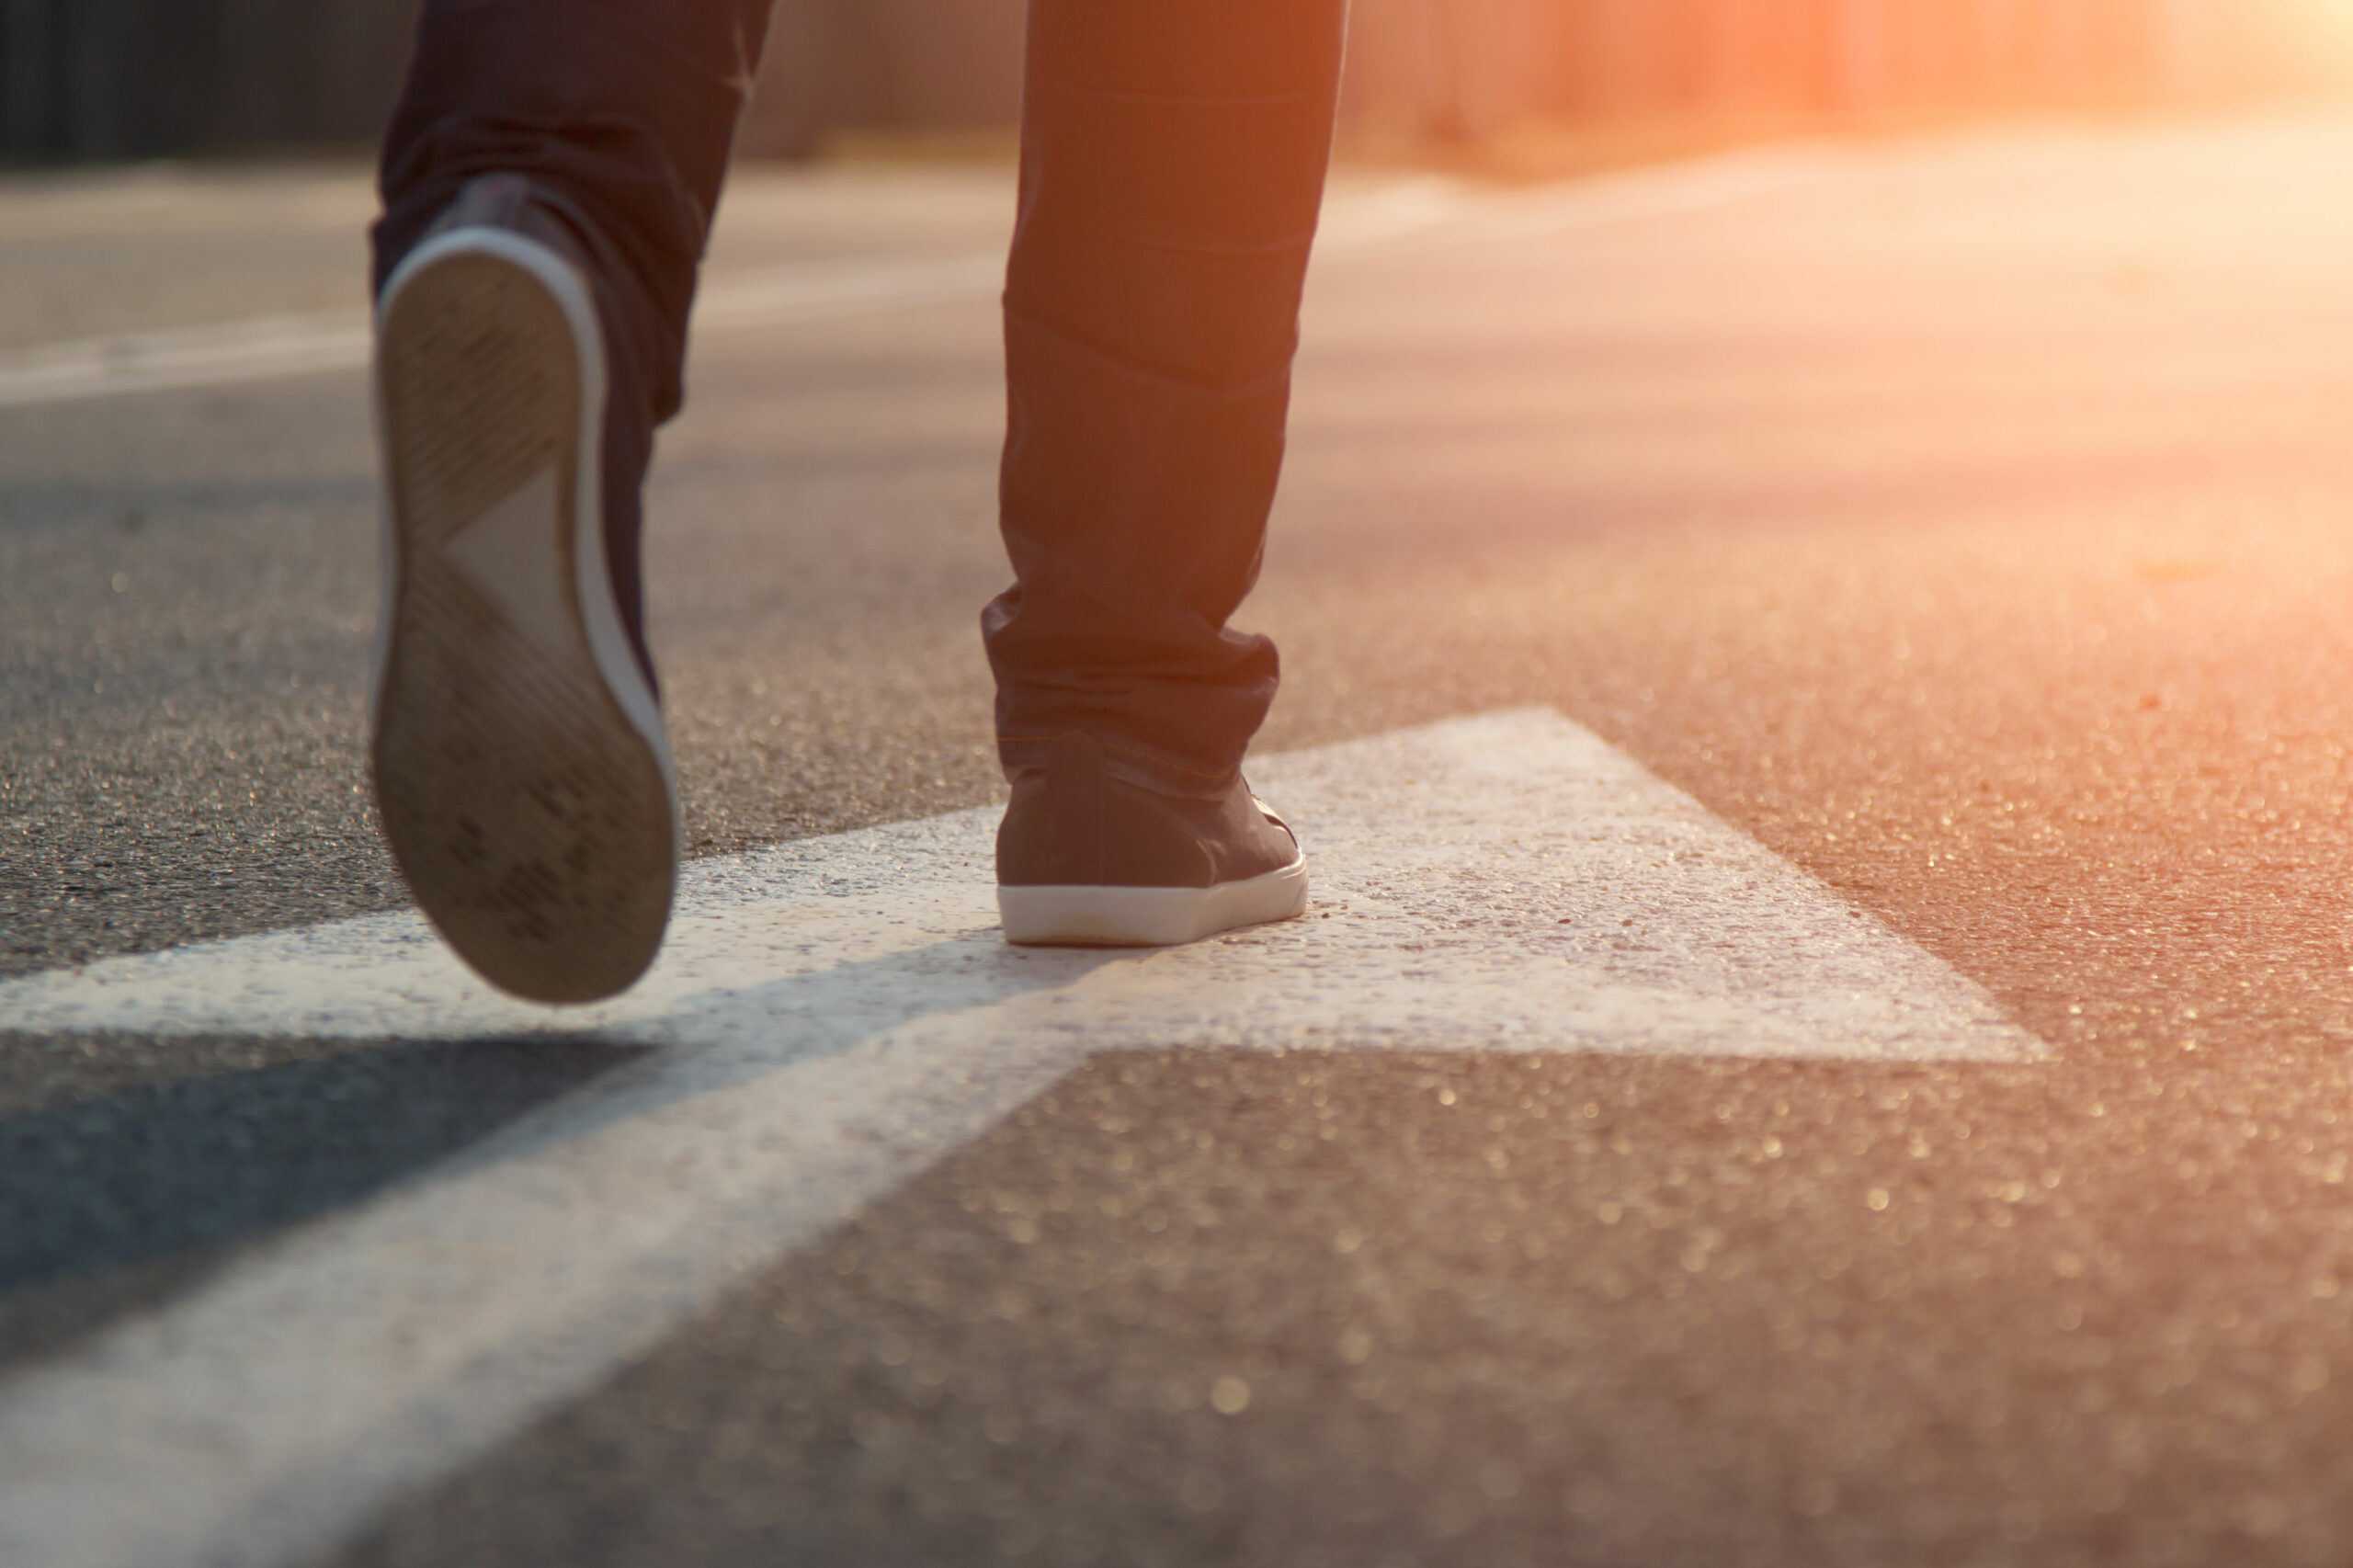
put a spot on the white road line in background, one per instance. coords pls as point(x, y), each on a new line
point(1429, 210)
point(837, 1014)
point(266, 347)
point(812, 292)
point(258, 350)
point(1434, 212)
point(271, 347)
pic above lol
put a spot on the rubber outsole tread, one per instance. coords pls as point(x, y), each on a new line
point(532, 819)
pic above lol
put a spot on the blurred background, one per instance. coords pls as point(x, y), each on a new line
point(1540, 85)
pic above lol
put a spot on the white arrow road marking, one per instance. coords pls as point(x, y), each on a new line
point(1429, 210)
point(1507, 883)
point(838, 1014)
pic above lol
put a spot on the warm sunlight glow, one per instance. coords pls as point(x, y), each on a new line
point(1475, 70)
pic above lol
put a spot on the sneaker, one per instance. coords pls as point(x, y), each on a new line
point(1086, 860)
point(521, 769)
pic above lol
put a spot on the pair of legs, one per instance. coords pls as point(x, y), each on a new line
point(1173, 157)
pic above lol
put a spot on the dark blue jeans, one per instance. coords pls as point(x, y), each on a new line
point(1172, 164)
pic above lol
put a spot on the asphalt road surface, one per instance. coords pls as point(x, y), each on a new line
point(1822, 1041)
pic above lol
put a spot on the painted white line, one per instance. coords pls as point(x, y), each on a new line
point(1431, 213)
point(260, 348)
point(838, 1014)
point(271, 347)
point(266, 347)
point(1429, 210)
point(810, 293)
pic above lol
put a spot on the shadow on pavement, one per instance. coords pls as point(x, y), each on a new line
point(110, 1204)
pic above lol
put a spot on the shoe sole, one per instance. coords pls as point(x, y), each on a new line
point(1086, 916)
point(525, 783)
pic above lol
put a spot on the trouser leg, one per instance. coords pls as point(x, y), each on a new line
point(1172, 165)
point(621, 112)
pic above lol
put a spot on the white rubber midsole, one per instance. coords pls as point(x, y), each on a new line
point(1094, 917)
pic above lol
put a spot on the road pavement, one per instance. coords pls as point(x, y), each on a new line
point(1955, 526)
